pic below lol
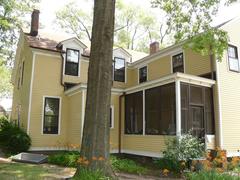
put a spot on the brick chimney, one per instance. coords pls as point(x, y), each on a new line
point(35, 22)
point(154, 47)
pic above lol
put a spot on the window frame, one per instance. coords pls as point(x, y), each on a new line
point(112, 117)
point(114, 62)
point(229, 57)
point(146, 66)
point(59, 114)
point(175, 54)
point(66, 61)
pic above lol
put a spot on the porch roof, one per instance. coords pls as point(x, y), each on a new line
point(182, 77)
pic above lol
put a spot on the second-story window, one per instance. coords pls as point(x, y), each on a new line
point(233, 58)
point(119, 69)
point(72, 62)
point(177, 63)
point(143, 74)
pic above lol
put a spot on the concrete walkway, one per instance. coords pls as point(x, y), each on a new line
point(124, 176)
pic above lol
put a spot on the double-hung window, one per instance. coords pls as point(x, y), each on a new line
point(143, 74)
point(177, 63)
point(233, 58)
point(51, 115)
point(119, 69)
point(72, 62)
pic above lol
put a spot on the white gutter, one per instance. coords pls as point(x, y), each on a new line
point(219, 106)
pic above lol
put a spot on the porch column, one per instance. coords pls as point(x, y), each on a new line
point(178, 107)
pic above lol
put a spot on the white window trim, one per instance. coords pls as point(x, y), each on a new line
point(139, 76)
point(112, 117)
point(171, 62)
point(125, 65)
point(65, 59)
point(59, 115)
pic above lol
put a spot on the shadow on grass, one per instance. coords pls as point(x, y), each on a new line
point(29, 171)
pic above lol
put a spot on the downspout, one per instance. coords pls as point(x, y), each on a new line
point(120, 123)
point(62, 52)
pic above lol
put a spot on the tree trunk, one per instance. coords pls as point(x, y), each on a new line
point(95, 143)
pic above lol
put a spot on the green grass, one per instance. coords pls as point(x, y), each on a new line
point(211, 175)
point(90, 175)
point(20, 171)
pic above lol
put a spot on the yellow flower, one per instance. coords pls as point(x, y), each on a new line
point(94, 158)
point(101, 158)
point(165, 172)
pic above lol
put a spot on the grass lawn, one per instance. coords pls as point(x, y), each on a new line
point(21, 171)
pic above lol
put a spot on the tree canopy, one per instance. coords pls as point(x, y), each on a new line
point(12, 13)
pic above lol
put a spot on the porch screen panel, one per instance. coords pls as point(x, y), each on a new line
point(160, 110)
point(134, 113)
point(209, 115)
point(184, 107)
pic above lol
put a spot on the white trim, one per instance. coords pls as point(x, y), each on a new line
point(142, 153)
point(144, 109)
point(178, 107)
point(219, 106)
point(171, 62)
point(139, 72)
point(41, 53)
point(191, 79)
point(59, 115)
point(47, 148)
point(83, 111)
point(30, 93)
point(233, 153)
point(112, 117)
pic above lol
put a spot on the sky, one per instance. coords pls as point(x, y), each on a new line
point(49, 7)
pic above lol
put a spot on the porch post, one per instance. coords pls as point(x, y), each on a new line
point(178, 107)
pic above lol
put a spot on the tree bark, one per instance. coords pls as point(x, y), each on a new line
point(96, 132)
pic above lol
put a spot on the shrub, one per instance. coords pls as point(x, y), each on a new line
point(207, 175)
point(67, 159)
point(127, 165)
point(180, 150)
point(12, 138)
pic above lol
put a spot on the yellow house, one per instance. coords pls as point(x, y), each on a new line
point(154, 97)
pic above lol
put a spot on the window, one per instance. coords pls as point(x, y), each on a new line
point(72, 62)
point(134, 113)
point(233, 58)
point(177, 63)
point(160, 110)
point(51, 115)
point(119, 69)
point(111, 117)
point(143, 74)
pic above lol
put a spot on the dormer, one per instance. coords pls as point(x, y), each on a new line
point(72, 50)
point(120, 59)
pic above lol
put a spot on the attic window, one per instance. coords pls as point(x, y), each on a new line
point(177, 63)
point(72, 62)
point(119, 69)
point(233, 58)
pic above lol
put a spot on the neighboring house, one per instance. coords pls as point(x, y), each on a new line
point(154, 97)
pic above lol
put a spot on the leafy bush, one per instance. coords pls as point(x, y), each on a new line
point(68, 159)
point(127, 165)
point(179, 151)
point(209, 175)
point(12, 138)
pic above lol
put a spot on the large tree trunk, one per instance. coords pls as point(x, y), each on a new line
point(95, 143)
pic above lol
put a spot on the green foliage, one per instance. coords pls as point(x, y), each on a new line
point(191, 20)
point(179, 150)
point(127, 165)
point(5, 85)
point(12, 138)
point(67, 159)
point(209, 175)
point(87, 174)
